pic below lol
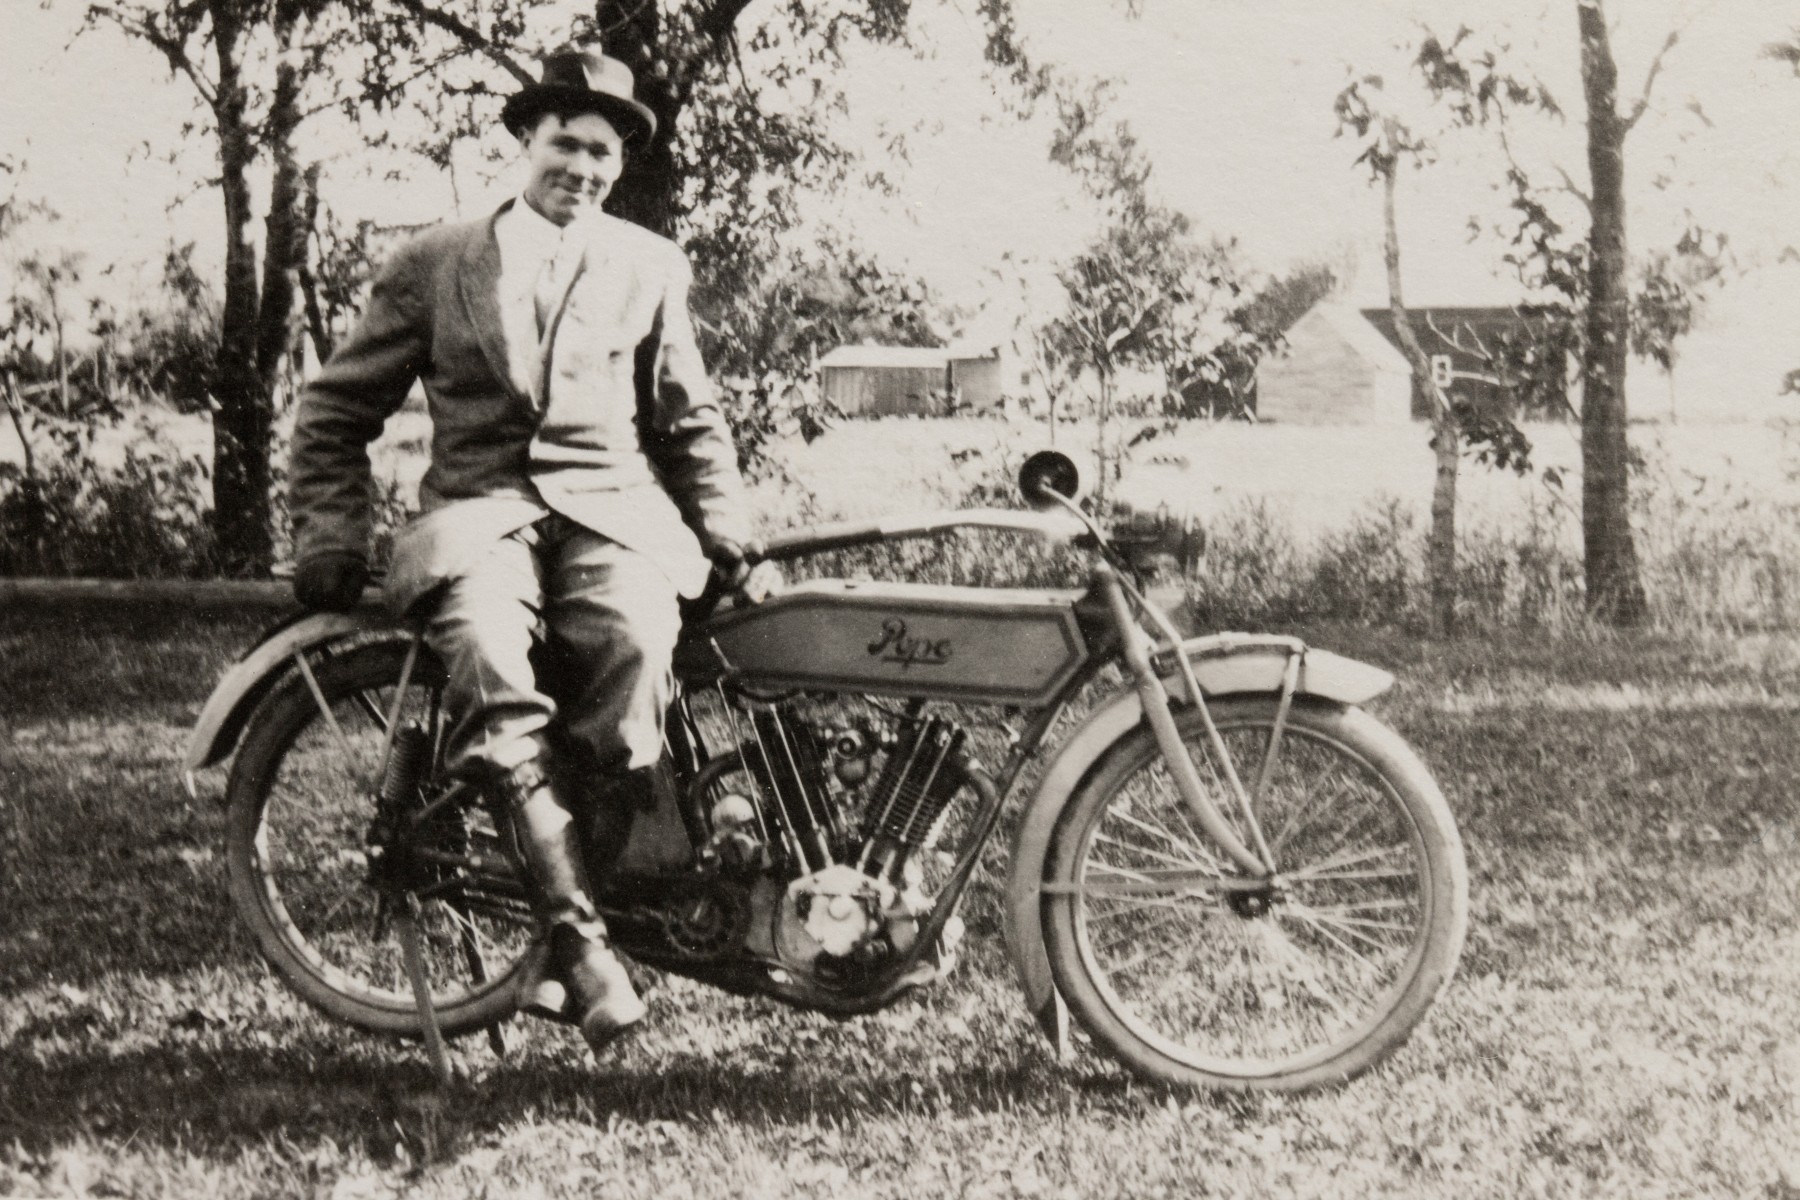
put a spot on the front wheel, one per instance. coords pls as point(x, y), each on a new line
point(1192, 973)
point(325, 873)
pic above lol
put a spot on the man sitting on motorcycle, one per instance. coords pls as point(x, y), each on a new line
point(581, 476)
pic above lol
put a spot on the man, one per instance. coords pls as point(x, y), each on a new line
point(581, 477)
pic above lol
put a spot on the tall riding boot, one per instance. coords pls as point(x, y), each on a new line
point(601, 997)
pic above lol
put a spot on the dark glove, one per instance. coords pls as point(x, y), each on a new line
point(729, 567)
point(734, 576)
point(330, 582)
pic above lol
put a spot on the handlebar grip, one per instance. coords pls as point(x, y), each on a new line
point(830, 537)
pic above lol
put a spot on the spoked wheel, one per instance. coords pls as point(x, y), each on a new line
point(1193, 973)
point(324, 871)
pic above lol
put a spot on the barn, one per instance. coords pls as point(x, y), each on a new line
point(1466, 344)
point(883, 381)
point(1344, 366)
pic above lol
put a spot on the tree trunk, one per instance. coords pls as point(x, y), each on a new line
point(317, 329)
point(1446, 433)
point(649, 191)
point(1615, 589)
point(243, 423)
point(1101, 488)
point(284, 248)
point(14, 410)
point(62, 363)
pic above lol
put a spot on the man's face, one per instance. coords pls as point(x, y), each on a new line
point(573, 163)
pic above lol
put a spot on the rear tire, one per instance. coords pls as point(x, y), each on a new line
point(300, 805)
point(1186, 971)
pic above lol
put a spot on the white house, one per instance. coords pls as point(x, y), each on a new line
point(1336, 369)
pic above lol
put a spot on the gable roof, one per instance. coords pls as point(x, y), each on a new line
point(1439, 326)
point(1356, 331)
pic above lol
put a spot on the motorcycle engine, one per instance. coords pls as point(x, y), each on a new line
point(824, 809)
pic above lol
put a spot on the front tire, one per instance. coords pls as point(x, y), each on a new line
point(301, 811)
point(1193, 974)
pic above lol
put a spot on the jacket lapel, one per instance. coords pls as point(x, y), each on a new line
point(596, 255)
point(508, 353)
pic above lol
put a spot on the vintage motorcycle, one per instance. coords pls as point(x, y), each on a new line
point(1228, 873)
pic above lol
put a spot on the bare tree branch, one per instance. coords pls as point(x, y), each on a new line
point(1570, 186)
point(431, 67)
point(469, 36)
point(1568, 181)
point(165, 44)
point(1656, 65)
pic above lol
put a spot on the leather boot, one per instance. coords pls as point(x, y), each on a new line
point(601, 998)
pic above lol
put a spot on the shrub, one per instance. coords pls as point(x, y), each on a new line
point(145, 519)
point(1370, 571)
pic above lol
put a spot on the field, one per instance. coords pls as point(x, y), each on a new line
point(1313, 477)
point(1626, 1022)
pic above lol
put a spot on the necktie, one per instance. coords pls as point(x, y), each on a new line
point(551, 279)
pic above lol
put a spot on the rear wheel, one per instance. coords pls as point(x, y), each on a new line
point(1191, 972)
point(323, 872)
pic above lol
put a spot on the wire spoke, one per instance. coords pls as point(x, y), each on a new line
point(1156, 831)
point(1373, 904)
point(1159, 922)
point(1126, 905)
point(1352, 927)
point(1151, 953)
point(1148, 852)
point(1345, 858)
point(1325, 932)
point(1303, 970)
point(1308, 813)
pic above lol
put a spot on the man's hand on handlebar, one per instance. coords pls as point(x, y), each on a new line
point(735, 576)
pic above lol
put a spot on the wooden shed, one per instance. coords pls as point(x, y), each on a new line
point(886, 380)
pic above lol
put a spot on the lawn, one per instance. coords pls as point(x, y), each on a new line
point(1626, 1022)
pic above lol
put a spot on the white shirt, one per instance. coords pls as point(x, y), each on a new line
point(528, 242)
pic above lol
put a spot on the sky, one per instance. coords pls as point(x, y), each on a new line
point(1230, 98)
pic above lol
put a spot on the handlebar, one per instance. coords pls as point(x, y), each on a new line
point(1054, 526)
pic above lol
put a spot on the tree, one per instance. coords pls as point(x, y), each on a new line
point(721, 173)
point(1615, 588)
point(1146, 293)
point(251, 64)
point(1672, 287)
point(1223, 383)
point(1388, 142)
point(1788, 52)
point(763, 336)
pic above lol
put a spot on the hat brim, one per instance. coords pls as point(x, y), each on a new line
point(634, 121)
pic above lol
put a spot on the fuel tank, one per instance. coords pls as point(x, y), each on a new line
point(988, 645)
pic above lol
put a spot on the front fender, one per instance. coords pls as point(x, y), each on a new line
point(1226, 664)
point(242, 688)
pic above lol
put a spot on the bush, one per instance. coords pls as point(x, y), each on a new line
point(969, 558)
point(147, 519)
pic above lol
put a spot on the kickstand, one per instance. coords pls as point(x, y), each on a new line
point(412, 948)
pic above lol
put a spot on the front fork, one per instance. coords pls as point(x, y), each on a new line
point(1256, 858)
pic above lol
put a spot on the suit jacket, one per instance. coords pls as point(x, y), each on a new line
point(607, 418)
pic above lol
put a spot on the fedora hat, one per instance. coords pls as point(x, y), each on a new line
point(581, 79)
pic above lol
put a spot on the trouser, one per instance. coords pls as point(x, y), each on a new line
point(608, 618)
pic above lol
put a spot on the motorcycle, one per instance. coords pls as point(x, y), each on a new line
point(1228, 874)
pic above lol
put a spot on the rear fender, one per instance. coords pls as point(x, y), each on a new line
point(241, 689)
point(1226, 664)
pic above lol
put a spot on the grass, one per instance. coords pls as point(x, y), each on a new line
point(1626, 1022)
